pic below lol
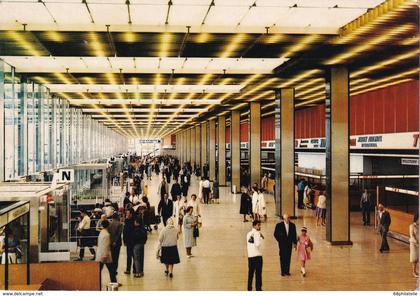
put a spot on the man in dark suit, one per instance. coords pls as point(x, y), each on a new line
point(384, 222)
point(165, 208)
point(285, 234)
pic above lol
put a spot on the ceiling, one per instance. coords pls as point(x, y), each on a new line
point(148, 68)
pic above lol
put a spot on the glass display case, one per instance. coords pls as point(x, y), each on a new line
point(14, 241)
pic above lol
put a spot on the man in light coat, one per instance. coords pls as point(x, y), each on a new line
point(103, 253)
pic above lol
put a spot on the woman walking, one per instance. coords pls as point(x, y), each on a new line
point(139, 240)
point(179, 212)
point(190, 222)
point(414, 245)
point(321, 209)
point(168, 239)
point(304, 249)
point(262, 208)
point(246, 204)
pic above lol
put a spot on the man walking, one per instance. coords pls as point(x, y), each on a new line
point(163, 188)
point(165, 208)
point(285, 234)
point(115, 229)
point(255, 260)
point(384, 222)
point(365, 205)
point(301, 190)
point(128, 239)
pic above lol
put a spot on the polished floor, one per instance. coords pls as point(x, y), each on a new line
point(220, 261)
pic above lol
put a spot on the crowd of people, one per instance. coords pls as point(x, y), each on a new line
point(180, 213)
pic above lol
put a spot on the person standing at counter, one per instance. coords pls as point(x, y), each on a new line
point(84, 231)
point(365, 206)
point(414, 245)
point(384, 222)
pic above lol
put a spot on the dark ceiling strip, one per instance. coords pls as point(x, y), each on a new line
point(184, 41)
point(111, 41)
point(128, 11)
point(88, 9)
point(167, 13)
point(207, 13)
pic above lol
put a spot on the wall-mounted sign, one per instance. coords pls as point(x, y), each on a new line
point(142, 141)
point(386, 141)
point(14, 214)
point(409, 161)
point(376, 141)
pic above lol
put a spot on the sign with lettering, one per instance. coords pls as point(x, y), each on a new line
point(409, 161)
point(149, 141)
point(66, 176)
point(406, 141)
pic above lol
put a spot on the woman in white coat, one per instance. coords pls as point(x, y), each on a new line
point(262, 208)
point(189, 224)
point(255, 198)
point(178, 213)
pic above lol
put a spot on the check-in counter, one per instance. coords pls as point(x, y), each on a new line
point(49, 211)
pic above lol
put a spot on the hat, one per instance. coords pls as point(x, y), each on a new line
point(304, 229)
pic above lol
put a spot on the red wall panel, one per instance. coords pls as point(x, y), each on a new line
point(392, 109)
point(244, 132)
point(267, 128)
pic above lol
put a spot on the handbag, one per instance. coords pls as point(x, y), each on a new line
point(196, 232)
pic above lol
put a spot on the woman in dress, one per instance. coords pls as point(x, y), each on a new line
point(246, 204)
point(262, 207)
point(168, 240)
point(414, 245)
point(255, 199)
point(304, 249)
point(190, 222)
point(179, 212)
point(321, 209)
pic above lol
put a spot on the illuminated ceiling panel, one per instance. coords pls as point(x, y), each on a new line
point(31, 64)
point(69, 13)
point(107, 14)
point(132, 88)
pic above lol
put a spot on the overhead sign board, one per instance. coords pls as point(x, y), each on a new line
point(65, 176)
point(149, 141)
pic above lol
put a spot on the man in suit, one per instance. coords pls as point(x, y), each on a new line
point(365, 205)
point(384, 222)
point(285, 234)
point(165, 208)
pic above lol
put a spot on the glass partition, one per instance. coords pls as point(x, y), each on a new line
point(41, 133)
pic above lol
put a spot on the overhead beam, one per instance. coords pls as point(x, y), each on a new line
point(137, 102)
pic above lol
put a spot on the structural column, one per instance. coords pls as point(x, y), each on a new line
point(188, 137)
point(337, 155)
point(203, 144)
point(221, 150)
point(212, 149)
point(255, 142)
point(184, 150)
point(285, 151)
point(235, 150)
point(192, 138)
point(198, 145)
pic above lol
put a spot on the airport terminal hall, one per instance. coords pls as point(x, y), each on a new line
point(214, 146)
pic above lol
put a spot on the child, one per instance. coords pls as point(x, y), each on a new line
point(304, 248)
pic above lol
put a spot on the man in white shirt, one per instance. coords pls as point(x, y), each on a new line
point(206, 190)
point(255, 261)
point(84, 231)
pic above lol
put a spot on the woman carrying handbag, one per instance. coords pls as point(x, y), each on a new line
point(304, 249)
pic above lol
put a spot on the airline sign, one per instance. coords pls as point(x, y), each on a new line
point(376, 141)
point(386, 141)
